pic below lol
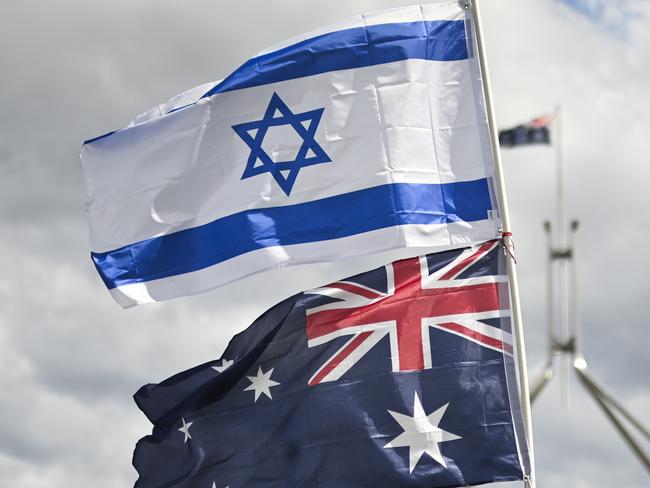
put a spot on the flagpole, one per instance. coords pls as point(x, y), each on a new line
point(564, 330)
point(549, 368)
point(524, 393)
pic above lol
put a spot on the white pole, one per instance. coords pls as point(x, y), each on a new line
point(550, 297)
point(524, 393)
point(565, 333)
point(557, 142)
point(574, 310)
point(549, 369)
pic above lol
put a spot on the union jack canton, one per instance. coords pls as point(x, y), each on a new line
point(402, 376)
point(419, 295)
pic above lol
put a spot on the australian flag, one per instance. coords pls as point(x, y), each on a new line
point(535, 132)
point(398, 377)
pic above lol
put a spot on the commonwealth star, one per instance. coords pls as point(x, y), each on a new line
point(225, 364)
point(421, 434)
point(261, 383)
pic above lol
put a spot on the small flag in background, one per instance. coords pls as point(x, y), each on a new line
point(364, 136)
point(535, 132)
point(401, 376)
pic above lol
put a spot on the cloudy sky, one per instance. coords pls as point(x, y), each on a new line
point(71, 358)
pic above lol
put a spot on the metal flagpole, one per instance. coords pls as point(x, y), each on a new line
point(524, 393)
point(563, 323)
point(565, 339)
point(562, 326)
point(549, 368)
point(569, 348)
point(564, 332)
point(557, 124)
point(574, 308)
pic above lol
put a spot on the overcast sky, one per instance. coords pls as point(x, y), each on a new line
point(70, 358)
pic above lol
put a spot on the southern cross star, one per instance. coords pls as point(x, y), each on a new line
point(225, 364)
point(421, 434)
point(261, 383)
point(185, 429)
point(278, 114)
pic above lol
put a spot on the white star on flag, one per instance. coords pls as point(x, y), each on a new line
point(214, 484)
point(421, 434)
point(225, 364)
point(186, 429)
point(261, 383)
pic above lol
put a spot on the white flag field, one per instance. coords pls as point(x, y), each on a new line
point(365, 136)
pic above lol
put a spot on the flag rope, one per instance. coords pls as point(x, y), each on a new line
point(510, 249)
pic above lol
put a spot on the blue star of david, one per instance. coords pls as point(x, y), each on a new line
point(284, 172)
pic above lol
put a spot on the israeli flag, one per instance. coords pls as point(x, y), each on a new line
point(365, 136)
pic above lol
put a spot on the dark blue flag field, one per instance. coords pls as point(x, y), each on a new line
point(399, 377)
point(537, 131)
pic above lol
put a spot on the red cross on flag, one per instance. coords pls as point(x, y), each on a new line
point(449, 298)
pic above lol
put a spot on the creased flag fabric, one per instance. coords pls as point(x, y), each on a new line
point(398, 377)
point(537, 131)
point(364, 136)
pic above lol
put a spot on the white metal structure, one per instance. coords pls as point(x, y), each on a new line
point(563, 322)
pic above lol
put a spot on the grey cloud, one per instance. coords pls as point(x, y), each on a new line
point(71, 359)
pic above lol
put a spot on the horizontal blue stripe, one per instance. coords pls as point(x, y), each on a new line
point(319, 220)
point(437, 40)
point(90, 141)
